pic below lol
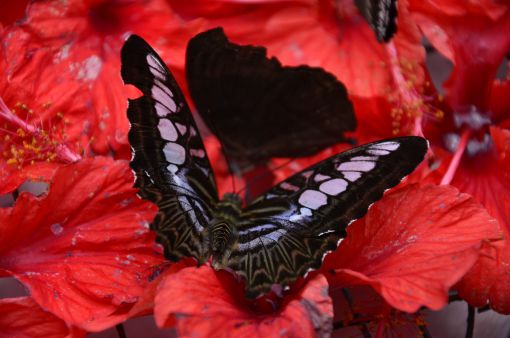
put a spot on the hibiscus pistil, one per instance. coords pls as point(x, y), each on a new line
point(410, 104)
point(29, 143)
point(454, 163)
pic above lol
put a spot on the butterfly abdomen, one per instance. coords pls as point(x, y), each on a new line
point(222, 230)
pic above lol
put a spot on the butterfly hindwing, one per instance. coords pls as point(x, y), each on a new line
point(260, 109)
point(169, 160)
point(288, 230)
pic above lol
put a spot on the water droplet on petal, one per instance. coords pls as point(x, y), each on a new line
point(56, 229)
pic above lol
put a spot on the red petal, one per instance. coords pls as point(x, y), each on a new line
point(199, 301)
point(82, 41)
point(11, 11)
point(413, 245)
point(83, 250)
point(489, 183)
point(487, 282)
point(464, 37)
point(313, 33)
point(500, 102)
point(35, 134)
point(22, 317)
point(361, 307)
point(13, 177)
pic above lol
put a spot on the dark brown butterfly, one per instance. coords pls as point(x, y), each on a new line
point(280, 236)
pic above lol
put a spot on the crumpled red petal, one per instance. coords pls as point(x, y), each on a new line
point(413, 245)
point(22, 317)
point(200, 303)
point(360, 310)
point(84, 250)
point(463, 37)
point(488, 282)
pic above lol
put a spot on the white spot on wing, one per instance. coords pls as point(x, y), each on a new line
point(378, 152)
point(172, 168)
point(163, 87)
point(352, 175)
point(181, 128)
point(312, 199)
point(334, 187)
point(159, 95)
point(306, 212)
point(356, 166)
point(364, 158)
point(174, 153)
point(390, 146)
point(303, 212)
point(155, 67)
point(320, 177)
point(167, 130)
point(161, 110)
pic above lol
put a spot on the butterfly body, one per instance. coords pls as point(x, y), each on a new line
point(282, 234)
point(222, 229)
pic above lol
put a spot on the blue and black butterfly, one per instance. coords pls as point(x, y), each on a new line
point(280, 236)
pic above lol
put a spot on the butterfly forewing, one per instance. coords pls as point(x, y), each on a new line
point(260, 109)
point(289, 229)
point(169, 159)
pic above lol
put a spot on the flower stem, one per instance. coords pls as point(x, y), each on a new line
point(470, 322)
point(454, 163)
point(121, 331)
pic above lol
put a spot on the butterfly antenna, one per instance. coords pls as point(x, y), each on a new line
point(233, 178)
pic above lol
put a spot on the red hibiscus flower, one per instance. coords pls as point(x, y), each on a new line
point(78, 43)
point(470, 137)
point(203, 303)
point(35, 129)
point(22, 317)
point(413, 245)
point(84, 251)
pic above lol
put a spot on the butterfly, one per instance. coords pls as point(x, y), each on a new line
point(281, 235)
point(260, 109)
point(381, 15)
